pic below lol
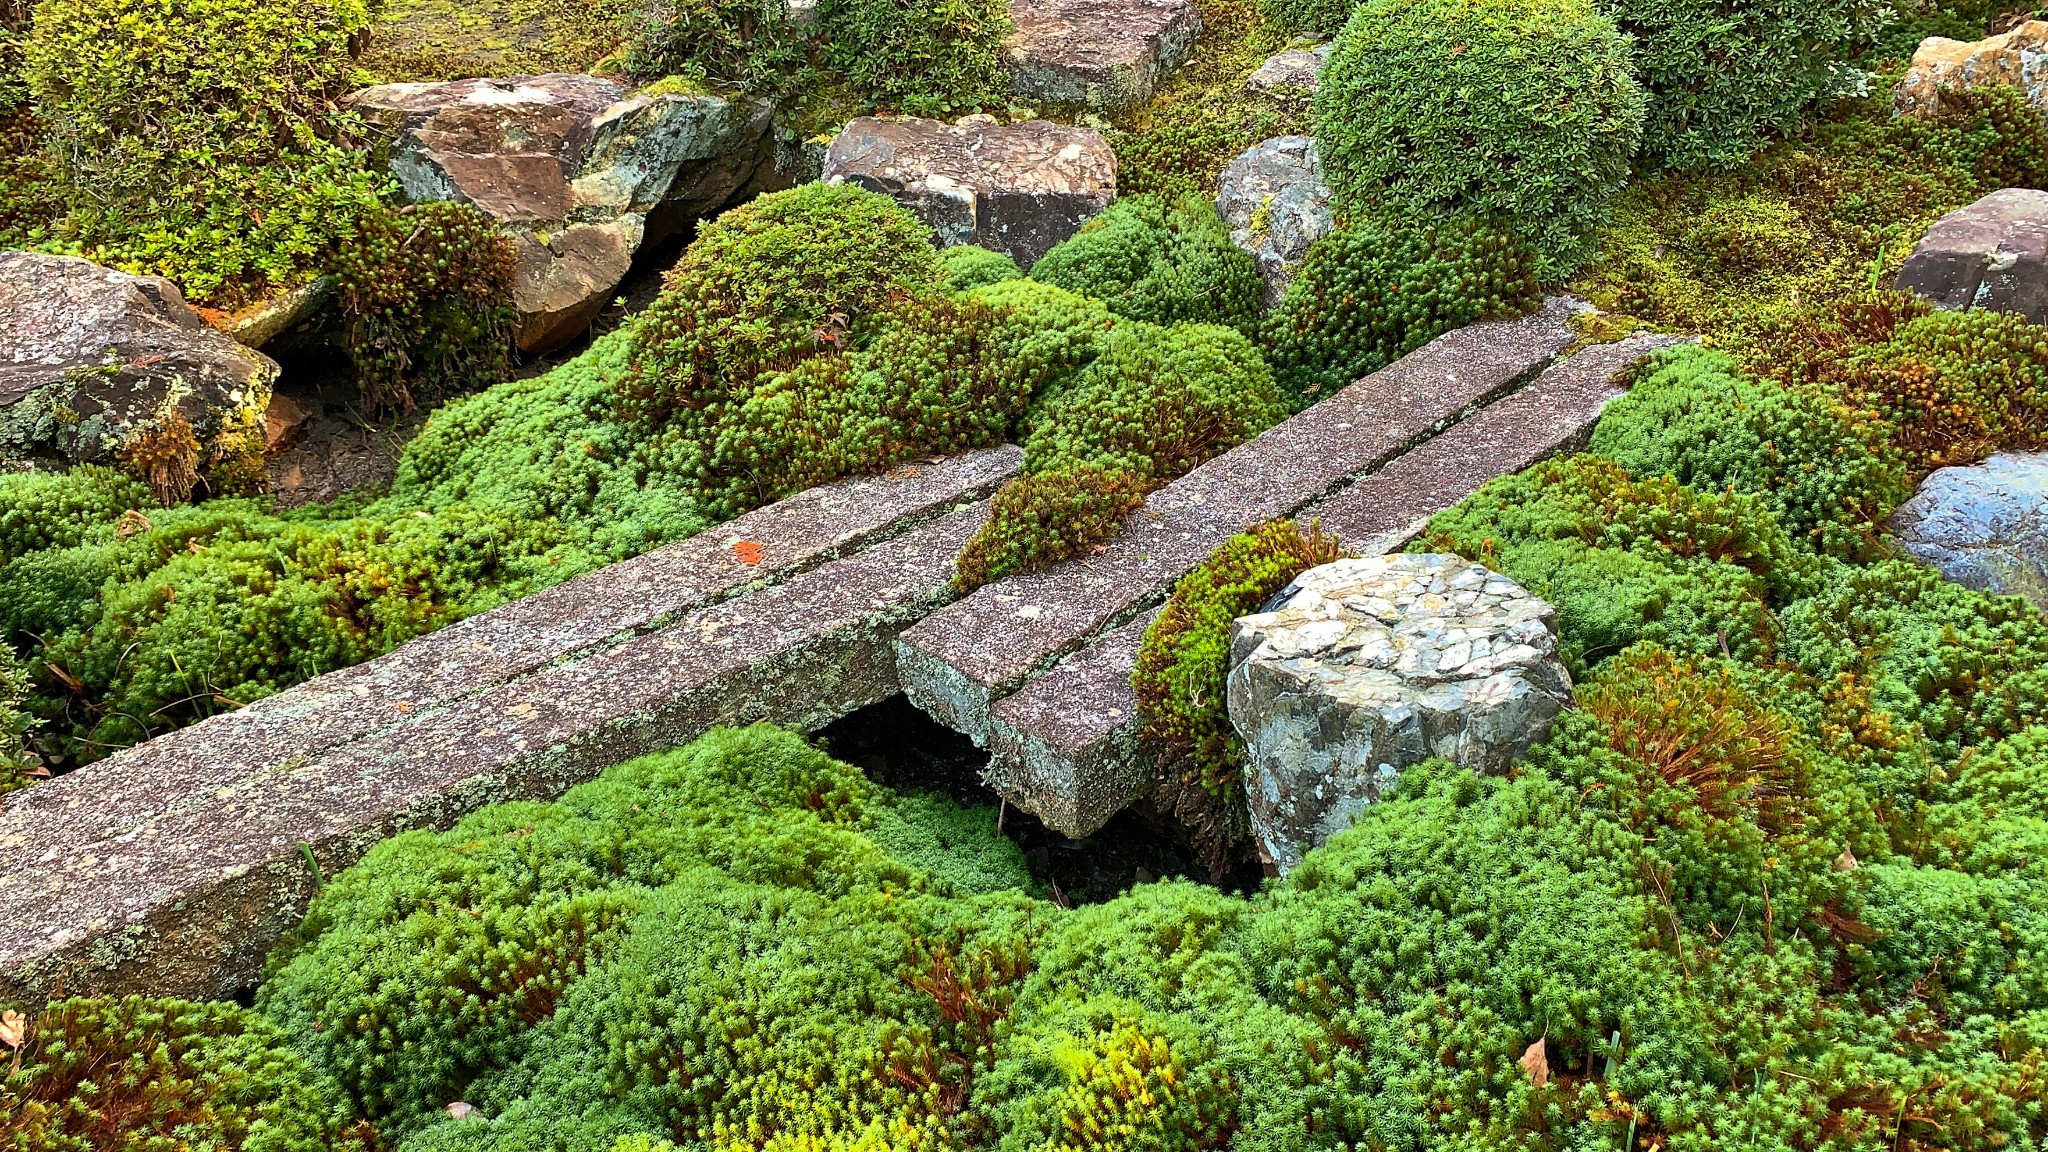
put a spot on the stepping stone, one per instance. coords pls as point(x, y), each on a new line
point(1984, 526)
point(188, 900)
point(1018, 189)
point(1294, 72)
point(1992, 254)
point(555, 626)
point(1109, 56)
point(1066, 747)
point(959, 661)
point(579, 170)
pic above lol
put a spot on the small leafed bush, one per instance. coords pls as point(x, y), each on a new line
point(1161, 263)
point(1370, 293)
point(1523, 113)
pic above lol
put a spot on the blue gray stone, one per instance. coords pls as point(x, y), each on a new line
point(1984, 526)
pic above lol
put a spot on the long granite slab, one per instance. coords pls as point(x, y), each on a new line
point(1065, 747)
point(187, 901)
point(760, 548)
point(956, 663)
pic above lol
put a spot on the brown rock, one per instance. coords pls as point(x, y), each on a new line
point(283, 420)
point(2011, 58)
point(1017, 189)
point(1108, 55)
point(563, 281)
point(1992, 254)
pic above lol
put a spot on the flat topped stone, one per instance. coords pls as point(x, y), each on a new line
point(1017, 189)
point(1984, 526)
point(1109, 55)
point(1364, 667)
point(1992, 254)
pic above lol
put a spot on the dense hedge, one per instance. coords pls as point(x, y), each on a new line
point(1523, 113)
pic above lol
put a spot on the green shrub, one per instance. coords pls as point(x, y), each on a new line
point(1318, 17)
point(785, 277)
point(1160, 263)
point(1627, 561)
point(971, 266)
point(1520, 112)
point(1156, 402)
point(167, 1074)
point(199, 140)
point(1179, 677)
point(1830, 477)
point(1370, 293)
point(426, 302)
point(1045, 517)
point(1723, 79)
point(747, 43)
point(926, 57)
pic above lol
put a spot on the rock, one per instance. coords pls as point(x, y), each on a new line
point(264, 321)
point(93, 360)
point(1361, 668)
point(1017, 189)
point(1992, 254)
point(1297, 71)
point(1276, 203)
point(283, 420)
point(578, 169)
point(1107, 55)
point(1984, 526)
point(2012, 58)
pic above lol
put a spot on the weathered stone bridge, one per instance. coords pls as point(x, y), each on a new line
point(173, 867)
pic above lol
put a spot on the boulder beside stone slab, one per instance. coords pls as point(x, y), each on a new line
point(1992, 254)
point(1018, 189)
point(1277, 204)
point(2018, 58)
point(1364, 667)
point(1106, 55)
point(578, 169)
point(91, 358)
point(1985, 526)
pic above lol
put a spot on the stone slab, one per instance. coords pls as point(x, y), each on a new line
point(188, 902)
point(957, 662)
point(1992, 254)
point(182, 768)
point(1107, 55)
point(1065, 747)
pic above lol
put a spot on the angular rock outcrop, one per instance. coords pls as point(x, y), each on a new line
point(1364, 667)
point(1985, 526)
point(1992, 254)
point(1298, 71)
point(1017, 189)
point(2014, 58)
point(579, 170)
point(1107, 55)
point(93, 361)
point(1275, 200)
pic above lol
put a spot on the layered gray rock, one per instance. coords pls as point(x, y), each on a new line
point(1364, 667)
point(1984, 526)
point(1992, 254)
point(92, 359)
point(1017, 189)
point(1298, 71)
point(579, 170)
point(1106, 55)
point(1277, 204)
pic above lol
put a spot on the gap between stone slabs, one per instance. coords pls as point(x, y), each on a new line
point(1065, 747)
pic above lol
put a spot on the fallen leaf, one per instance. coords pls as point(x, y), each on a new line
point(749, 551)
point(461, 1110)
point(1536, 1064)
point(130, 523)
point(1846, 862)
point(13, 1029)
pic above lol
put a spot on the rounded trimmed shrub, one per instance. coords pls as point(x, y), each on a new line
point(1520, 111)
point(970, 266)
point(1372, 292)
point(1158, 262)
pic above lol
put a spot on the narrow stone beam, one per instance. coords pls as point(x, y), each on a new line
point(188, 901)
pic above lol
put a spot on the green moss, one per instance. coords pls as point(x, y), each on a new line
point(19, 763)
point(1045, 517)
point(1521, 112)
point(1158, 262)
point(433, 40)
point(970, 266)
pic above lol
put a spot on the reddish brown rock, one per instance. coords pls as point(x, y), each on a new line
point(2012, 59)
point(1107, 55)
point(1992, 254)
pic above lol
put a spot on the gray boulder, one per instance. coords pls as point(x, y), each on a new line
point(1017, 189)
point(580, 172)
point(1106, 55)
point(1984, 526)
point(1298, 71)
point(1992, 254)
point(1363, 667)
point(1277, 205)
point(93, 361)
